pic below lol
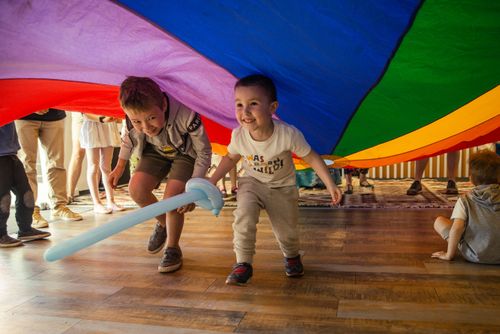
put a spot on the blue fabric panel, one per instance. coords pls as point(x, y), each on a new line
point(324, 56)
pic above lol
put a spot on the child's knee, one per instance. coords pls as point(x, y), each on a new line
point(29, 199)
point(5, 203)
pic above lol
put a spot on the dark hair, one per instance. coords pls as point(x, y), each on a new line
point(484, 167)
point(140, 93)
point(259, 80)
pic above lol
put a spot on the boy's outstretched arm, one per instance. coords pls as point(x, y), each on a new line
point(456, 231)
point(321, 169)
point(226, 164)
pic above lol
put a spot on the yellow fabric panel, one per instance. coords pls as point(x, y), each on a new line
point(483, 112)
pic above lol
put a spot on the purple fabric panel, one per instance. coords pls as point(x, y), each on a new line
point(100, 42)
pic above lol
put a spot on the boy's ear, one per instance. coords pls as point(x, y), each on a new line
point(164, 103)
point(274, 107)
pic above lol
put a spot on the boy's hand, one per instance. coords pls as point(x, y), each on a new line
point(186, 208)
point(114, 177)
point(441, 255)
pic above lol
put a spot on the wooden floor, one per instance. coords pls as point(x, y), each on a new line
point(367, 271)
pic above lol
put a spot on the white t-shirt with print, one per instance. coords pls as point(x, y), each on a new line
point(270, 161)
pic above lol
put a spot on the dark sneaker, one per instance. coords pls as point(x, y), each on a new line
point(451, 188)
point(171, 260)
point(241, 274)
point(293, 266)
point(8, 241)
point(157, 239)
point(33, 234)
point(415, 188)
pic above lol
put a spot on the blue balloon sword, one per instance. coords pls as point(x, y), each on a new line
point(198, 191)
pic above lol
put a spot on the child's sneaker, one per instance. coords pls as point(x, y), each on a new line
point(32, 234)
point(451, 188)
point(415, 188)
point(8, 241)
point(38, 220)
point(63, 212)
point(241, 274)
point(171, 260)
point(157, 239)
point(293, 266)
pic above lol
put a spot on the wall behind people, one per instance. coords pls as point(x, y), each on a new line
point(436, 168)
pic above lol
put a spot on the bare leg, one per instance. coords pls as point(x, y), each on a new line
point(452, 165)
point(348, 182)
point(74, 169)
point(420, 166)
point(105, 165)
point(93, 157)
point(141, 188)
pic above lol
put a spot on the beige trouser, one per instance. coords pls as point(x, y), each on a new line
point(51, 136)
point(282, 208)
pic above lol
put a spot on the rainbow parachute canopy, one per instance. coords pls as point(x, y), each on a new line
point(369, 83)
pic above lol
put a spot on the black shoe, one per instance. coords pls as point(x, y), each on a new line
point(32, 234)
point(171, 260)
point(241, 274)
point(293, 266)
point(157, 239)
point(349, 190)
point(415, 188)
point(451, 188)
point(8, 241)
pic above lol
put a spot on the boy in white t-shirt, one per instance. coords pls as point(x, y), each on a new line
point(266, 146)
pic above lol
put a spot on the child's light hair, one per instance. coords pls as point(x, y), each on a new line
point(259, 80)
point(138, 94)
point(484, 167)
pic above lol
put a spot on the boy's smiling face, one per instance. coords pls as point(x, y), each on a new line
point(254, 111)
point(150, 121)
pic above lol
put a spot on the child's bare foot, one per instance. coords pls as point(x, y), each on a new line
point(99, 208)
point(115, 207)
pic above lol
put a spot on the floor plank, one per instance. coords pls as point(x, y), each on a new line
point(367, 271)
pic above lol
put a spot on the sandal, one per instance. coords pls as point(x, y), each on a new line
point(349, 190)
point(365, 184)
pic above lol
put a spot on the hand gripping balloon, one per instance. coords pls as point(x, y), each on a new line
point(199, 191)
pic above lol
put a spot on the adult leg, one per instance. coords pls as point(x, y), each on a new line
point(451, 169)
point(75, 167)
point(52, 140)
point(28, 133)
point(416, 186)
point(348, 181)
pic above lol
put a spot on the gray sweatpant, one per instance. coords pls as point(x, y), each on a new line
point(282, 208)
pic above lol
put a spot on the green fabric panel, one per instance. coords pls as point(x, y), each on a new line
point(449, 57)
